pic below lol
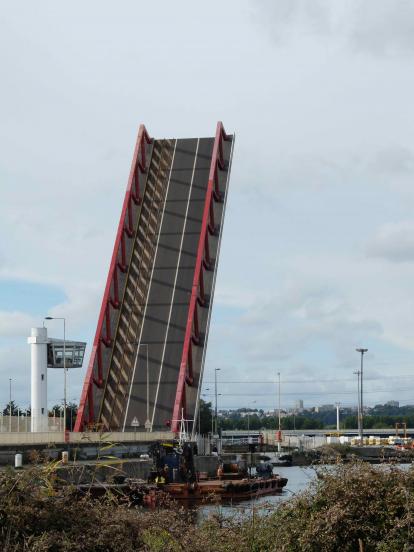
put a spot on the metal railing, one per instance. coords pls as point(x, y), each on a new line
point(203, 262)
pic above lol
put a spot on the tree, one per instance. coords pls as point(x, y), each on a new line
point(205, 412)
point(14, 408)
point(71, 412)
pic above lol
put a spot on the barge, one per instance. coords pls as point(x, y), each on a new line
point(227, 490)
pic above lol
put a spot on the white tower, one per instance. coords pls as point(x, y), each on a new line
point(38, 345)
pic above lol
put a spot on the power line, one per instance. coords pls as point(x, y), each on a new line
point(317, 394)
point(248, 382)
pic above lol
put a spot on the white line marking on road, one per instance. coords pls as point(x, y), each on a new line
point(149, 288)
point(175, 282)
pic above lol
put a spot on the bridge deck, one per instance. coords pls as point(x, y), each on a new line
point(169, 292)
point(159, 292)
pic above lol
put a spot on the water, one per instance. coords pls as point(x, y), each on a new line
point(298, 480)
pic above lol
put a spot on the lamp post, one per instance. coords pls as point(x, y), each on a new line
point(337, 416)
point(248, 423)
point(279, 419)
point(10, 405)
point(215, 392)
point(358, 373)
point(64, 366)
point(361, 427)
point(148, 424)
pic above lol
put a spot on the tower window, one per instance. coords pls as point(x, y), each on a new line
point(43, 410)
point(43, 377)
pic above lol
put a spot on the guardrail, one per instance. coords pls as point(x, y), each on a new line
point(118, 262)
point(203, 261)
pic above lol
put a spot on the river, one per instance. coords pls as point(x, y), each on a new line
point(298, 479)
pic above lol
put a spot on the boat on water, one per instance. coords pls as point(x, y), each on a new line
point(225, 489)
point(174, 476)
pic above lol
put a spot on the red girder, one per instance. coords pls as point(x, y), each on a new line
point(118, 262)
point(203, 260)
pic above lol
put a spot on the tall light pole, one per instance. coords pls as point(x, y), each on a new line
point(337, 416)
point(10, 406)
point(358, 373)
point(248, 423)
point(148, 424)
point(361, 429)
point(64, 366)
point(279, 425)
point(215, 392)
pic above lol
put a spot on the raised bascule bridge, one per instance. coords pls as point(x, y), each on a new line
point(146, 364)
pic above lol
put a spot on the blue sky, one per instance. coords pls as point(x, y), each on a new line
point(32, 298)
point(318, 247)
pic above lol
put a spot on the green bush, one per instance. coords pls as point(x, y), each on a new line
point(346, 507)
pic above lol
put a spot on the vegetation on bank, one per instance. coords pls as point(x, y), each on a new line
point(351, 507)
point(379, 418)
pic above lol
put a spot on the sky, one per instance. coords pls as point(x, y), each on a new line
point(318, 247)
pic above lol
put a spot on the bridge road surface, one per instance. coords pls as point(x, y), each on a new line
point(170, 287)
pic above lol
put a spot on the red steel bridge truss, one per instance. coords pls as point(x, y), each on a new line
point(147, 359)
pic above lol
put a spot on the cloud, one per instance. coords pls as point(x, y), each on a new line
point(323, 158)
point(382, 27)
point(377, 27)
point(16, 323)
point(302, 320)
point(394, 160)
point(393, 242)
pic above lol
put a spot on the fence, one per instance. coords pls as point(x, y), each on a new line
point(302, 442)
point(22, 424)
point(55, 437)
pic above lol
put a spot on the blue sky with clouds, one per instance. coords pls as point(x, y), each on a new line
point(318, 246)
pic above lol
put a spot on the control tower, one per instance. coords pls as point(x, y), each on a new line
point(47, 353)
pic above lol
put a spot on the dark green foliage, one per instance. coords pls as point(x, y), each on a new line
point(256, 423)
point(379, 421)
point(71, 412)
point(345, 506)
point(6, 409)
point(205, 414)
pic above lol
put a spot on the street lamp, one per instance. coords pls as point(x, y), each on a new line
point(361, 425)
point(10, 405)
point(358, 373)
point(64, 365)
point(148, 423)
point(215, 384)
point(337, 416)
point(248, 422)
point(279, 433)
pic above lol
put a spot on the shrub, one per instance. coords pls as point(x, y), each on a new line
point(345, 508)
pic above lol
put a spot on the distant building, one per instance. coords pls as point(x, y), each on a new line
point(299, 405)
point(249, 413)
point(393, 404)
point(326, 408)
